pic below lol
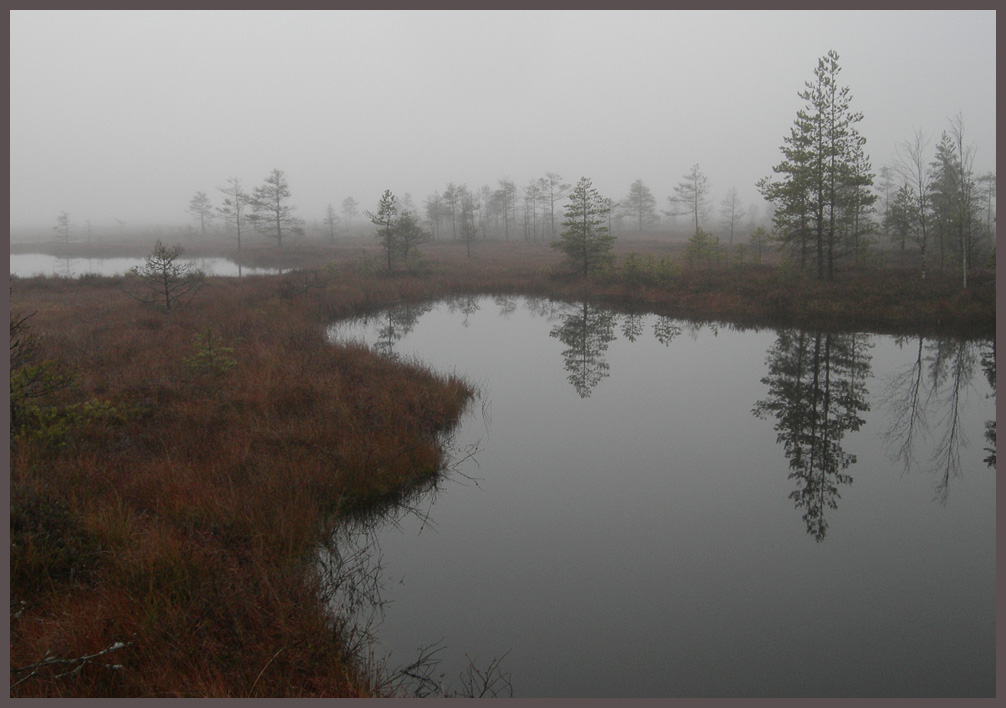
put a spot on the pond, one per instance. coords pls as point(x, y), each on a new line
point(647, 507)
point(27, 265)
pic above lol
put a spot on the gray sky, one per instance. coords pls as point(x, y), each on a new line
point(126, 114)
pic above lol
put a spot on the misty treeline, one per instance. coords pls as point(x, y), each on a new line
point(825, 204)
point(825, 198)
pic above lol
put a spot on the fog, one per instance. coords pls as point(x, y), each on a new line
point(127, 114)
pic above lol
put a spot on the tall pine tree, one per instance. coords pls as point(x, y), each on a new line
point(823, 198)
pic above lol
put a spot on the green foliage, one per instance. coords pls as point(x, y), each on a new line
point(212, 356)
point(408, 234)
point(585, 240)
point(823, 199)
point(55, 427)
point(31, 378)
point(702, 246)
point(647, 270)
point(384, 220)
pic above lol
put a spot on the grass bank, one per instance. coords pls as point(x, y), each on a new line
point(166, 506)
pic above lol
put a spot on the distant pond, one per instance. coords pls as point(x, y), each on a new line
point(647, 507)
point(27, 265)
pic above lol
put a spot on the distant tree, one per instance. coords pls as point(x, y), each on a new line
point(759, 240)
point(434, 213)
point(200, 207)
point(612, 206)
point(450, 202)
point(826, 175)
point(887, 187)
point(988, 190)
point(732, 212)
point(486, 209)
point(406, 203)
point(911, 209)
point(63, 226)
point(554, 190)
point(469, 228)
point(507, 193)
point(272, 213)
point(585, 239)
point(691, 195)
point(331, 221)
point(384, 219)
point(899, 219)
point(532, 195)
point(640, 204)
point(232, 211)
point(164, 281)
point(350, 208)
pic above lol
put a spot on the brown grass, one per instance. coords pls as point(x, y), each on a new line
point(186, 525)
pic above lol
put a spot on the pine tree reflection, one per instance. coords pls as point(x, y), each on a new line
point(467, 305)
point(666, 329)
point(632, 326)
point(396, 323)
point(817, 391)
point(586, 330)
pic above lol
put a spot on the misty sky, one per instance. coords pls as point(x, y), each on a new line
point(126, 114)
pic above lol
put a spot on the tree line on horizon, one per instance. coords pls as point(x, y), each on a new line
point(825, 205)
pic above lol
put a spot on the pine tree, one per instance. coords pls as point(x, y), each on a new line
point(272, 214)
point(585, 239)
point(640, 204)
point(384, 219)
point(823, 198)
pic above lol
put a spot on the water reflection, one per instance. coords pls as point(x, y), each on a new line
point(687, 468)
point(394, 324)
point(924, 399)
point(467, 305)
point(586, 330)
point(816, 381)
point(817, 390)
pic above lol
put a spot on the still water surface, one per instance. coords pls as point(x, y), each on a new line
point(27, 265)
point(667, 509)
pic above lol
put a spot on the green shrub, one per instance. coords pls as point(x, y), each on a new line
point(212, 356)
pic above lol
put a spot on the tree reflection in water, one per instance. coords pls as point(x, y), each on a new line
point(467, 305)
point(816, 393)
point(395, 323)
point(586, 331)
point(930, 389)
